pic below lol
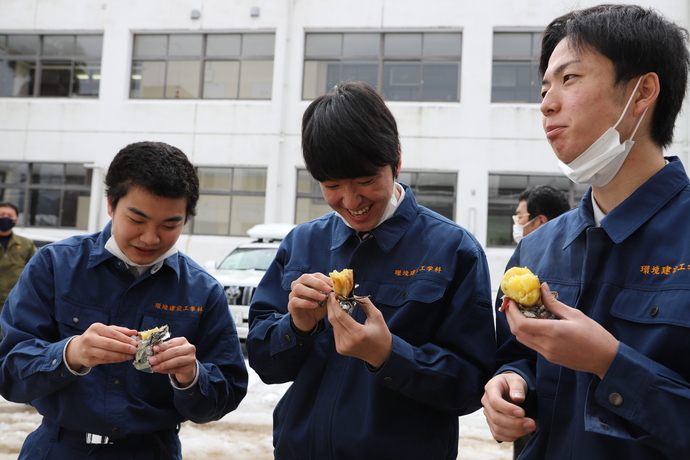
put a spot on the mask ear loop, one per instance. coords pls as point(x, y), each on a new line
point(626, 109)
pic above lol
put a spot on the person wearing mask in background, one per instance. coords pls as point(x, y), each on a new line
point(15, 250)
point(536, 206)
point(391, 380)
point(610, 376)
point(71, 321)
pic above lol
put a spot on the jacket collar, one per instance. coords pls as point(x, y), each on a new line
point(389, 232)
point(637, 209)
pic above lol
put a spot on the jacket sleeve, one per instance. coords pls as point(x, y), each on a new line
point(31, 351)
point(275, 351)
point(222, 379)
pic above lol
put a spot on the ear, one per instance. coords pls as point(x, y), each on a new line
point(647, 93)
point(397, 169)
point(110, 207)
point(541, 220)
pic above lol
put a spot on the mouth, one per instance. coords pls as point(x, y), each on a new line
point(552, 130)
point(359, 213)
point(144, 251)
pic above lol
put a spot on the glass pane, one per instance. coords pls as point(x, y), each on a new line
point(182, 80)
point(445, 44)
point(13, 173)
point(150, 45)
point(249, 180)
point(212, 215)
point(44, 208)
point(19, 78)
point(326, 45)
point(247, 211)
point(88, 79)
point(221, 79)
point(89, 45)
point(255, 45)
point(75, 209)
point(509, 44)
point(438, 184)
point(361, 44)
point(319, 78)
point(77, 175)
point(223, 45)
point(307, 209)
point(536, 44)
point(256, 79)
point(215, 178)
point(147, 79)
point(511, 82)
point(306, 183)
point(58, 45)
point(185, 45)
point(47, 173)
point(402, 45)
point(22, 44)
point(360, 71)
point(401, 81)
point(441, 82)
point(56, 79)
point(3, 45)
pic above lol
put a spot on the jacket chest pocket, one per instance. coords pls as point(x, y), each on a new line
point(655, 323)
point(74, 319)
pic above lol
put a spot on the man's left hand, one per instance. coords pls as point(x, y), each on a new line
point(575, 341)
point(175, 356)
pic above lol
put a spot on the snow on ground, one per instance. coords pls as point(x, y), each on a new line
point(244, 434)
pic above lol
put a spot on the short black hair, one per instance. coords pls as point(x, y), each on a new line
point(545, 200)
point(637, 40)
point(7, 204)
point(156, 167)
point(349, 133)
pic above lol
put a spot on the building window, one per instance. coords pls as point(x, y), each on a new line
point(515, 75)
point(435, 190)
point(421, 66)
point(50, 65)
point(504, 193)
point(231, 201)
point(47, 194)
point(202, 66)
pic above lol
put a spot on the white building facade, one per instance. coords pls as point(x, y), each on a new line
point(227, 83)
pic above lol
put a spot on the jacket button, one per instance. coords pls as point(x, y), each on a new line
point(654, 311)
point(388, 379)
point(75, 320)
point(405, 295)
point(116, 382)
point(116, 430)
point(615, 399)
point(288, 338)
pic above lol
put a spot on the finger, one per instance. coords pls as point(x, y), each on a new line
point(556, 307)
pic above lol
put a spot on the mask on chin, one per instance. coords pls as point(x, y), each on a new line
point(600, 163)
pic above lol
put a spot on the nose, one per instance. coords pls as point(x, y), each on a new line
point(351, 199)
point(150, 236)
point(549, 103)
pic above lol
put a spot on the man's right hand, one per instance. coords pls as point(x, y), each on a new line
point(304, 301)
point(506, 419)
point(101, 344)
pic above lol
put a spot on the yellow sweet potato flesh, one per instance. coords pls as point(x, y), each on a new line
point(343, 281)
point(521, 285)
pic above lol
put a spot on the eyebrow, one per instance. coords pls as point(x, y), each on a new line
point(143, 214)
point(558, 70)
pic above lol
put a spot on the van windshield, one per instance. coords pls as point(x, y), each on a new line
point(249, 259)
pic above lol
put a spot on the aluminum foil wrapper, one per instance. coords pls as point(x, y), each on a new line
point(145, 348)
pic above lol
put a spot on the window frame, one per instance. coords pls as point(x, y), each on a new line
point(385, 62)
point(204, 58)
point(534, 90)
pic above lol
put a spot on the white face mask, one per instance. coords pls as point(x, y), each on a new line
point(599, 164)
point(519, 231)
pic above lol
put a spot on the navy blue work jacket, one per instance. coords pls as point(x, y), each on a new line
point(429, 277)
point(631, 275)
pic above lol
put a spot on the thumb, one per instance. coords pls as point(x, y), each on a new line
point(557, 308)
